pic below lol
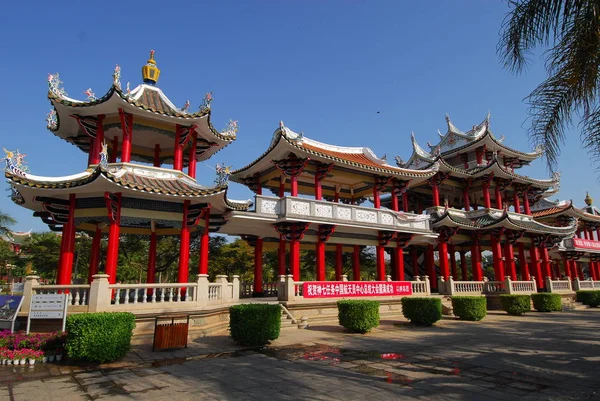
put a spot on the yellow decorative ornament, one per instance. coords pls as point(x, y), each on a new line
point(150, 72)
point(588, 199)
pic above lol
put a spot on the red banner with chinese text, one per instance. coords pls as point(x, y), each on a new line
point(339, 289)
point(586, 244)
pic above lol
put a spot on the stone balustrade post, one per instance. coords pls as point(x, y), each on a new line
point(576, 286)
point(100, 294)
point(290, 293)
point(344, 277)
point(441, 285)
point(202, 288)
point(222, 280)
point(30, 282)
point(548, 281)
point(417, 278)
point(450, 289)
point(236, 288)
point(507, 285)
point(388, 278)
point(427, 284)
point(570, 283)
point(281, 288)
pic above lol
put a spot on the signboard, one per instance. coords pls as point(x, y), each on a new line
point(9, 308)
point(586, 244)
point(48, 306)
point(323, 289)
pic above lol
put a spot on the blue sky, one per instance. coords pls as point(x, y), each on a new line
point(323, 67)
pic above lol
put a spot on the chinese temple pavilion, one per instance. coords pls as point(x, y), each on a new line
point(118, 195)
point(470, 199)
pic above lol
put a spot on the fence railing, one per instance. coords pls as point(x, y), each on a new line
point(585, 285)
point(101, 296)
point(485, 287)
point(268, 289)
point(558, 286)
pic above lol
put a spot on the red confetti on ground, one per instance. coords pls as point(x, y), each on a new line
point(456, 371)
point(391, 355)
point(389, 377)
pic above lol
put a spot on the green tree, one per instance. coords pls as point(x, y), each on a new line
point(41, 251)
point(569, 31)
point(5, 222)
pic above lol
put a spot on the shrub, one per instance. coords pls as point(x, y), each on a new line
point(99, 337)
point(546, 302)
point(422, 311)
point(358, 316)
point(254, 324)
point(590, 298)
point(515, 305)
point(469, 308)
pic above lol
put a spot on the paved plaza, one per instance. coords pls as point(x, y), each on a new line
point(535, 357)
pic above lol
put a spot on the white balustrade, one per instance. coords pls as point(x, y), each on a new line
point(78, 295)
point(339, 214)
point(268, 289)
point(558, 286)
point(126, 294)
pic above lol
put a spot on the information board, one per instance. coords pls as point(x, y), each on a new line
point(323, 289)
point(9, 309)
point(48, 306)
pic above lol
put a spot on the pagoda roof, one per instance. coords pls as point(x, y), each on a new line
point(132, 180)
point(546, 209)
point(155, 116)
point(489, 219)
point(456, 141)
point(17, 237)
point(356, 158)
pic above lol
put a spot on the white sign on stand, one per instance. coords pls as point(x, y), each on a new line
point(48, 306)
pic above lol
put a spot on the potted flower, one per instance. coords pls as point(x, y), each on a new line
point(20, 357)
point(50, 355)
point(59, 354)
point(4, 355)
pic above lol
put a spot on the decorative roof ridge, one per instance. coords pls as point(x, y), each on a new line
point(451, 127)
point(336, 148)
point(277, 136)
point(418, 150)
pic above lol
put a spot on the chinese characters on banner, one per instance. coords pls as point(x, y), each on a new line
point(322, 289)
point(586, 244)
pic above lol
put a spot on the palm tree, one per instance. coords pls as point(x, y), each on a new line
point(5, 222)
point(569, 30)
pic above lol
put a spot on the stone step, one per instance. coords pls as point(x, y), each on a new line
point(573, 306)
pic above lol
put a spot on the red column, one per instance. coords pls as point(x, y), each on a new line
point(281, 256)
point(192, 156)
point(281, 186)
point(115, 150)
point(204, 242)
point(394, 200)
point(318, 187)
point(356, 263)
point(486, 195)
point(415, 261)
point(91, 151)
point(399, 265)
point(405, 201)
point(127, 127)
point(476, 262)
point(479, 155)
point(526, 203)
point(443, 254)
point(380, 252)
point(523, 262)
point(430, 267)
point(98, 141)
point(177, 150)
point(435, 194)
point(592, 269)
point(184, 246)
point(294, 185)
point(509, 262)
point(452, 257)
point(535, 266)
point(151, 273)
point(497, 255)
point(516, 202)
point(157, 155)
point(67, 246)
point(376, 199)
point(112, 250)
point(466, 199)
point(338, 262)
point(95, 254)
point(320, 260)
point(258, 268)
point(295, 258)
point(498, 200)
point(547, 269)
point(567, 263)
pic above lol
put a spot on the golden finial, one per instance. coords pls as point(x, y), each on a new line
point(150, 72)
point(588, 199)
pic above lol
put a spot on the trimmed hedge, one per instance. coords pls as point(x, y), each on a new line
point(422, 311)
point(546, 302)
point(469, 308)
point(358, 316)
point(254, 324)
point(99, 337)
point(515, 305)
point(590, 298)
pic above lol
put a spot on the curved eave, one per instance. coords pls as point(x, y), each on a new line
point(445, 167)
point(531, 226)
point(447, 220)
point(569, 210)
point(133, 106)
point(499, 171)
point(281, 140)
